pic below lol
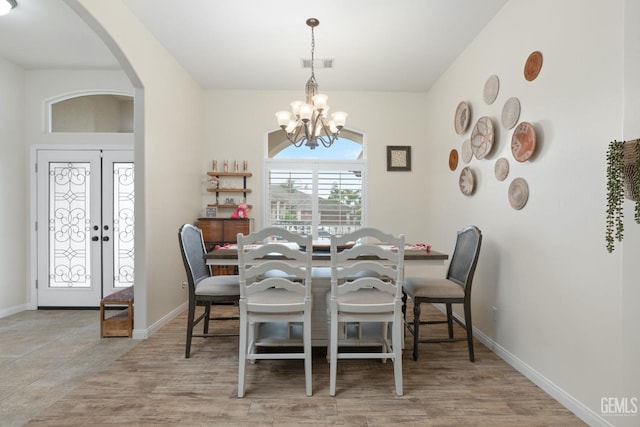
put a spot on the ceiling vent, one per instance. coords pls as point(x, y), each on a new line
point(319, 63)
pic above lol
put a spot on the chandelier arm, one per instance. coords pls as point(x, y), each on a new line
point(296, 139)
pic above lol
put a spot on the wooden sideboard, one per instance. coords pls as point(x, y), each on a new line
point(218, 231)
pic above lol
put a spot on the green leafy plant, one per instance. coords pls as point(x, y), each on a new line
point(615, 190)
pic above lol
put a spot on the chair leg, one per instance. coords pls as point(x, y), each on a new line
point(307, 354)
point(469, 327)
point(207, 315)
point(416, 327)
point(450, 320)
point(404, 305)
point(242, 354)
point(333, 362)
point(397, 351)
point(191, 315)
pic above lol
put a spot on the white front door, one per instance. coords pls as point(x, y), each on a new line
point(85, 224)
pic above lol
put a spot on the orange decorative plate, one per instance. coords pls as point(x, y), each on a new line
point(523, 142)
point(533, 65)
point(453, 159)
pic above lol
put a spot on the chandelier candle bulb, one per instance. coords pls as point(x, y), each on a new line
point(284, 117)
point(339, 119)
point(306, 111)
point(320, 101)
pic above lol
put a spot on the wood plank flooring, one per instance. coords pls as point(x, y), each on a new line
point(152, 384)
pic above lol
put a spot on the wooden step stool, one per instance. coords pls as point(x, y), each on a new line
point(120, 324)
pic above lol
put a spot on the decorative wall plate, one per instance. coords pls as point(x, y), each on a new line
point(518, 193)
point(453, 159)
point(510, 113)
point(482, 137)
point(491, 87)
point(501, 169)
point(467, 181)
point(462, 118)
point(523, 142)
point(466, 152)
point(533, 65)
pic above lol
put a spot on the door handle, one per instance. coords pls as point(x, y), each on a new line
point(105, 239)
point(95, 238)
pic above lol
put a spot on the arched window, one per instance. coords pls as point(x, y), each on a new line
point(100, 112)
point(320, 191)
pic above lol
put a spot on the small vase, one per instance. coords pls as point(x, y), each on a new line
point(630, 170)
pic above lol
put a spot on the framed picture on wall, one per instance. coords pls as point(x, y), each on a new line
point(210, 212)
point(398, 157)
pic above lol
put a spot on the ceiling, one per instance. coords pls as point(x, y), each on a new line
point(377, 45)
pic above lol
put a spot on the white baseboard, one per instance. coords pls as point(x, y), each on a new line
point(9, 311)
point(141, 334)
point(564, 398)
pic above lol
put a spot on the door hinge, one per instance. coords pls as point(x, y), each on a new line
point(36, 226)
point(35, 167)
point(36, 283)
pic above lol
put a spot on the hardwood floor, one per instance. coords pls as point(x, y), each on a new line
point(77, 379)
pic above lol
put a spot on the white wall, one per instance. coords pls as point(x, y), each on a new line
point(168, 135)
point(545, 268)
point(13, 191)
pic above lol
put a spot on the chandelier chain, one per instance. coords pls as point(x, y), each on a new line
point(313, 48)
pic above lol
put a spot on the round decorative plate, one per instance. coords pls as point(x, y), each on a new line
point(482, 137)
point(462, 117)
point(518, 193)
point(510, 113)
point(453, 159)
point(533, 65)
point(466, 152)
point(467, 181)
point(501, 168)
point(491, 87)
point(523, 142)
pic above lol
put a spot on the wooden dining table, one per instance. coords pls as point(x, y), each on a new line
point(414, 255)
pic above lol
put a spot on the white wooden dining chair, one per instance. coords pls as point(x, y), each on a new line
point(366, 288)
point(275, 290)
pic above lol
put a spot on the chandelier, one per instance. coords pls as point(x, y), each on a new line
point(307, 123)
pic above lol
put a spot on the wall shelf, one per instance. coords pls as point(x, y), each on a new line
point(236, 176)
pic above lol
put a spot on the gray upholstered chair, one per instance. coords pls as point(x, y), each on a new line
point(204, 289)
point(455, 288)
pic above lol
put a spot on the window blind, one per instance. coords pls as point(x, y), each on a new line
point(317, 197)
